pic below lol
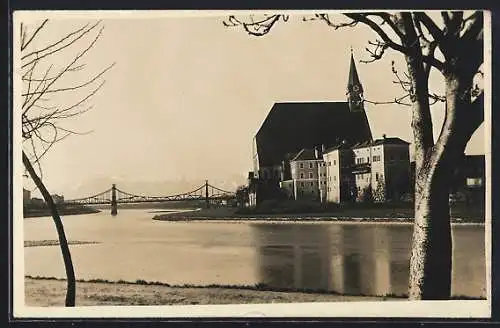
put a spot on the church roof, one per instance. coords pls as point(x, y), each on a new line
point(292, 126)
point(353, 76)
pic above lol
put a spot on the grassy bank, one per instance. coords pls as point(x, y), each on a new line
point(38, 211)
point(300, 212)
point(52, 242)
point(52, 291)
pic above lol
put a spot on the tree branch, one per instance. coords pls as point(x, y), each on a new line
point(256, 28)
point(39, 57)
point(73, 87)
point(39, 28)
point(430, 25)
point(390, 43)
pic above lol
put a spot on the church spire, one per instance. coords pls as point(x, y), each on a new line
point(354, 88)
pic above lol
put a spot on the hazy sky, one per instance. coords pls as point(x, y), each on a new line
point(187, 95)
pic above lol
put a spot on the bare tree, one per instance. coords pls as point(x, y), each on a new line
point(418, 36)
point(50, 80)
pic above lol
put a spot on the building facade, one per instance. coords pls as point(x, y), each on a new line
point(368, 171)
point(304, 169)
point(381, 169)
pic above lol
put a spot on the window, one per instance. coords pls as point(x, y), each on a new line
point(376, 176)
point(329, 163)
point(334, 162)
point(302, 175)
point(310, 175)
point(474, 182)
point(368, 159)
point(310, 165)
point(312, 184)
point(391, 158)
point(334, 178)
point(301, 165)
point(376, 158)
point(302, 184)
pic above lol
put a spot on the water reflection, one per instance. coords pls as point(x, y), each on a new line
point(355, 259)
point(293, 256)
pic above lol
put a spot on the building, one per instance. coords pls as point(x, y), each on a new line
point(338, 179)
point(368, 171)
point(293, 126)
point(252, 189)
point(305, 174)
point(58, 199)
point(468, 179)
point(472, 172)
point(381, 169)
point(26, 196)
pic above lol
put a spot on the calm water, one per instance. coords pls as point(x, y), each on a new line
point(352, 258)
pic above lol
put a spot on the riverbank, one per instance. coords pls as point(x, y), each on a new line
point(32, 212)
point(51, 292)
point(344, 215)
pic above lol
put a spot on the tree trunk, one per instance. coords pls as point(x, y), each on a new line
point(430, 263)
point(431, 257)
point(68, 263)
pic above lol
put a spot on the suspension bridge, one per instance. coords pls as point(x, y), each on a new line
point(114, 196)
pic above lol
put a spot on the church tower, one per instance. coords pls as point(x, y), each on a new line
point(355, 98)
point(354, 89)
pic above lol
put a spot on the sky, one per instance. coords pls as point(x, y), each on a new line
point(187, 95)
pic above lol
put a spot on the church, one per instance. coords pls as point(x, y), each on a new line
point(293, 126)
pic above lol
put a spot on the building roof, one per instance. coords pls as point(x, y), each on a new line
point(305, 155)
point(362, 144)
point(290, 127)
point(342, 145)
point(392, 141)
point(383, 141)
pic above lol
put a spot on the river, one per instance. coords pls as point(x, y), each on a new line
point(350, 258)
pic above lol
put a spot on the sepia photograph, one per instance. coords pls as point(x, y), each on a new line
point(251, 163)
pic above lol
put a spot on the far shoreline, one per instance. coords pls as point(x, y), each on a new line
point(45, 212)
point(230, 215)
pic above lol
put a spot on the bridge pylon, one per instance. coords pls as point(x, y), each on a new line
point(114, 205)
point(207, 198)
